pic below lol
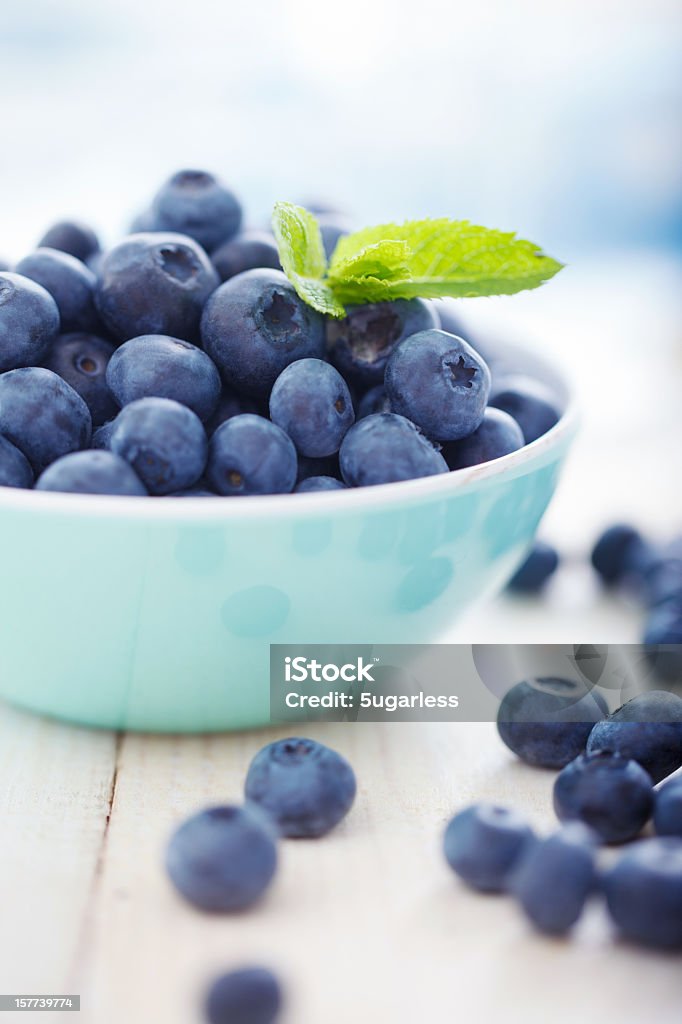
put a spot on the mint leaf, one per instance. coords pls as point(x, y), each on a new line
point(302, 256)
point(384, 260)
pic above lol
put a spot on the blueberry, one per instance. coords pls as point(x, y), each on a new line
point(644, 893)
point(659, 579)
point(615, 552)
point(163, 441)
point(71, 237)
point(254, 325)
point(440, 383)
point(42, 415)
point(154, 284)
point(310, 400)
point(156, 366)
point(662, 639)
point(91, 472)
point(197, 204)
point(539, 566)
point(610, 793)
point(497, 435)
point(247, 251)
point(361, 343)
point(547, 721)
point(230, 404)
point(647, 729)
point(668, 808)
point(15, 469)
point(29, 322)
point(251, 995)
point(385, 448)
point(484, 843)
point(70, 283)
point(319, 483)
point(305, 787)
point(556, 877)
point(373, 401)
point(250, 455)
point(529, 402)
point(102, 436)
point(223, 858)
point(81, 360)
point(328, 466)
point(332, 228)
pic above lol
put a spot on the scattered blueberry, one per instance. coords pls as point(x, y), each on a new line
point(319, 483)
point(484, 843)
point(440, 383)
point(251, 995)
point(70, 283)
point(230, 404)
point(154, 284)
point(71, 237)
point(155, 365)
point(530, 403)
point(327, 466)
point(29, 322)
point(662, 639)
point(361, 343)
point(385, 448)
point(497, 435)
point(254, 325)
point(102, 436)
point(197, 204)
point(547, 721)
point(373, 401)
point(615, 551)
point(15, 469)
point(163, 441)
point(539, 566)
point(332, 227)
point(223, 858)
point(42, 415)
point(644, 893)
point(647, 729)
point(668, 808)
point(250, 455)
point(556, 877)
point(81, 360)
point(305, 787)
point(91, 472)
point(610, 793)
point(310, 400)
point(247, 251)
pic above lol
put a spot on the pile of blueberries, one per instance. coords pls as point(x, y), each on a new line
point(182, 362)
point(609, 765)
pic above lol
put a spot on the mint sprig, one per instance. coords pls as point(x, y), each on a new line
point(420, 258)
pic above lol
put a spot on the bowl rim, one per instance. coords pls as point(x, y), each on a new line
point(356, 499)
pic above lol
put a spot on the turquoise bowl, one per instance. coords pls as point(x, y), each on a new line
point(129, 613)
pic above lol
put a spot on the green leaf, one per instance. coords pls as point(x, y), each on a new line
point(301, 254)
point(386, 260)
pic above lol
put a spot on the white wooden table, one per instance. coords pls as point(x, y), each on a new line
point(366, 925)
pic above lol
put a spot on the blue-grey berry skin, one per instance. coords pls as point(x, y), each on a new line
point(305, 787)
point(154, 284)
point(232, 403)
point(373, 401)
point(246, 251)
point(333, 226)
point(254, 325)
point(101, 437)
point(662, 640)
point(70, 283)
point(319, 483)
point(29, 322)
point(222, 859)
point(615, 551)
point(538, 568)
point(91, 472)
point(310, 400)
point(72, 237)
point(668, 809)
point(328, 466)
point(81, 359)
point(611, 794)
point(386, 448)
point(250, 455)
point(361, 343)
point(556, 877)
point(250, 995)
point(15, 469)
point(497, 435)
point(156, 366)
point(644, 893)
point(647, 729)
point(42, 415)
point(440, 383)
point(529, 402)
point(196, 203)
point(547, 721)
point(484, 843)
point(163, 441)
